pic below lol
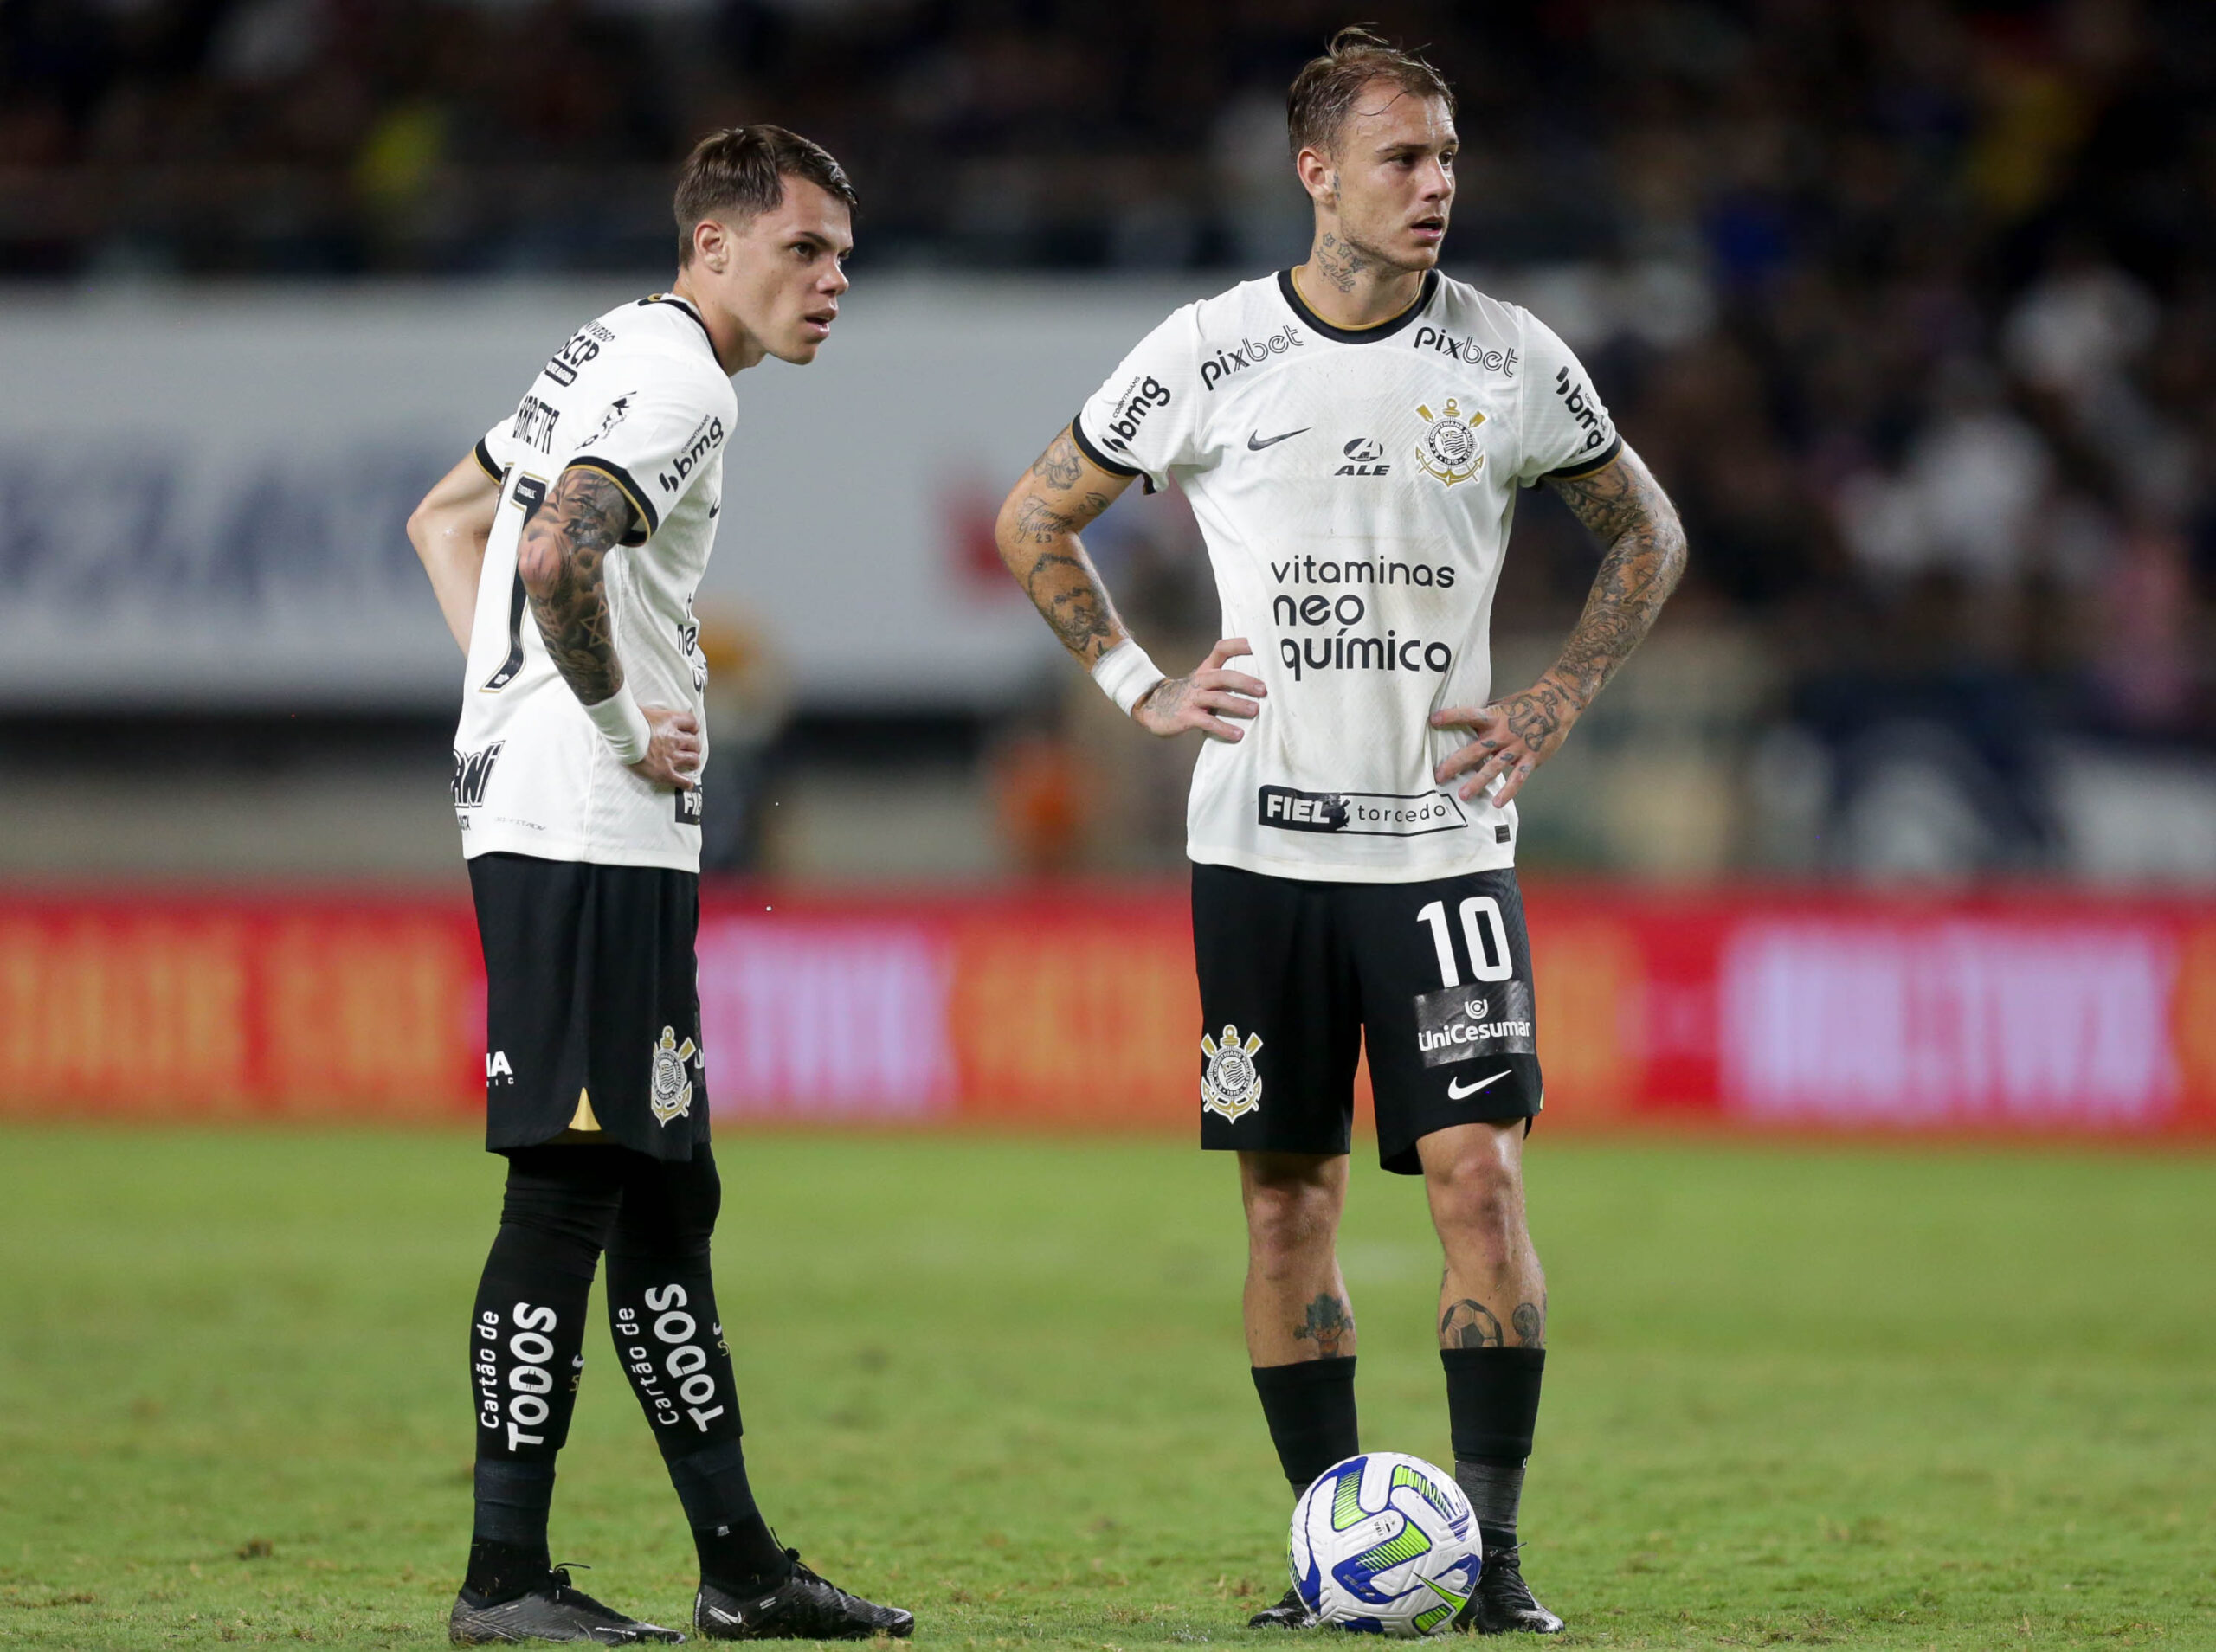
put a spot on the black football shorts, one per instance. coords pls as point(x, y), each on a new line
point(1295, 976)
point(592, 1008)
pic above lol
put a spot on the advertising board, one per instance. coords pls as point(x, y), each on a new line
point(1074, 1008)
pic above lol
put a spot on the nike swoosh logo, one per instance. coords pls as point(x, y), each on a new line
point(1255, 444)
point(1456, 1090)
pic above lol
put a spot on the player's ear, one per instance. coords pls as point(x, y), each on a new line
point(711, 246)
point(1318, 175)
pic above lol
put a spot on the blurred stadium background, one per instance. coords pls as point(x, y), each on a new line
point(1902, 825)
point(1905, 816)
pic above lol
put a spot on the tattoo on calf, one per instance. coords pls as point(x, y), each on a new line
point(567, 540)
point(1529, 1319)
point(1469, 1324)
point(1328, 1323)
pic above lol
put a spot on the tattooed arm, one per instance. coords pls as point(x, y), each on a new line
point(1645, 553)
point(1037, 533)
point(562, 561)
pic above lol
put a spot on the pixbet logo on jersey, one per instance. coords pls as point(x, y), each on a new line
point(1248, 352)
point(1466, 349)
point(1142, 397)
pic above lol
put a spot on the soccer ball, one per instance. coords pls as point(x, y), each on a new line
point(1385, 1544)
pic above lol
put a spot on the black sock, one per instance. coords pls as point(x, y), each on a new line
point(527, 1338)
point(662, 1307)
point(1310, 1409)
point(1492, 1410)
point(526, 1342)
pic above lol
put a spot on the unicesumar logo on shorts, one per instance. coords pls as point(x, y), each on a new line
point(1448, 447)
point(671, 1095)
point(1230, 1087)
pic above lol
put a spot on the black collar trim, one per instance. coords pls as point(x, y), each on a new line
point(686, 306)
point(1357, 335)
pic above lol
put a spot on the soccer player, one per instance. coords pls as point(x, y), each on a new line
point(1351, 434)
point(565, 552)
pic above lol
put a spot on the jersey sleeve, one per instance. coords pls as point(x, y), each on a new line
point(1567, 429)
point(491, 451)
point(656, 441)
point(1146, 420)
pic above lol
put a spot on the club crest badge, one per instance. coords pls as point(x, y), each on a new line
point(671, 1094)
point(1448, 447)
point(1231, 1088)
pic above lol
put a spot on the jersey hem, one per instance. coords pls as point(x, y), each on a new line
point(1496, 857)
point(591, 854)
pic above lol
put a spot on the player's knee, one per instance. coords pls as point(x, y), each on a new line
point(1289, 1222)
point(1478, 1194)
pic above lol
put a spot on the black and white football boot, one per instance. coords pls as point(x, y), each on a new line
point(802, 1608)
point(1291, 1612)
point(1503, 1605)
point(551, 1612)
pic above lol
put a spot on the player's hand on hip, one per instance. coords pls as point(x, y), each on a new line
point(1509, 739)
point(673, 751)
point(1202, 700)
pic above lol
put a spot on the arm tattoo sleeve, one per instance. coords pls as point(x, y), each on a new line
point(1626, 510)
point(567, 540)
point(1039, 543)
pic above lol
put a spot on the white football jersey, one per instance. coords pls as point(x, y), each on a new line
point(639, 395)
point(1356, 489)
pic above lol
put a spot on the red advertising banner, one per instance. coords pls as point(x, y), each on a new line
point(1075, 1007)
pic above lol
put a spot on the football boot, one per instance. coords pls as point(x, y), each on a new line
point(803, 1607)
point(1503, 1605)
point(1291, 1612)
point(551, 1612)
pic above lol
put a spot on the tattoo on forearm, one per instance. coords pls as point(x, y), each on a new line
point(1529, 1319)
point(1043, 523)
point(1328, 1323)
point(1626, 510)
point(1337, 260)
point(1039, 544)
point(1468, 1325)
point(567, 539)
point(1067, 591)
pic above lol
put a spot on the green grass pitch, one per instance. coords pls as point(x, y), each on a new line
point(1957, 1398)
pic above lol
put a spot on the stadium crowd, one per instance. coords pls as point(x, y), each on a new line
point(1944, 433)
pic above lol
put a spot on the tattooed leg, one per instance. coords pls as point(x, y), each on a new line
point(1299, 1324)
point(1296, 1306)
point(1494, 1294)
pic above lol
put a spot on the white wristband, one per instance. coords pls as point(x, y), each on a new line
point(1125, 674)
point(622, 725)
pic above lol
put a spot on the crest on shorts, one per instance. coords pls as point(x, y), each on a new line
point(1230, 1087)
point(671, 1093)
point(1448, 447)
